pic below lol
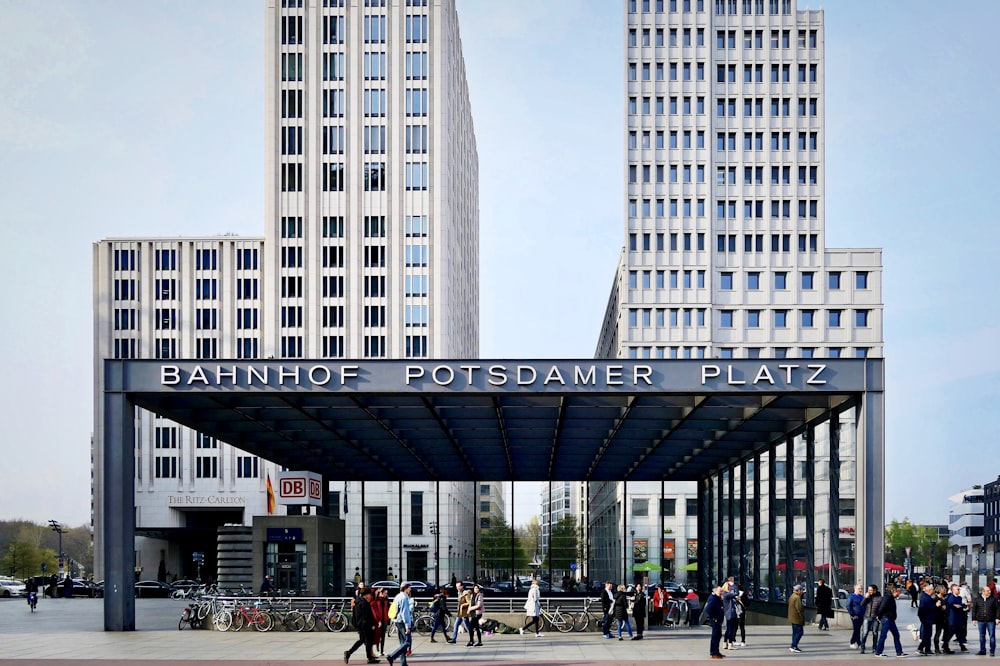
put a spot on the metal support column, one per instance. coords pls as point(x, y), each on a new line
point(119, 512)
point(731, 570)
point(755, 561)
point(772, 523)
point(870, 443)
point(834, 524)
point(743, 573)
point(789, 553)
point(809, 506)
point(704, 535)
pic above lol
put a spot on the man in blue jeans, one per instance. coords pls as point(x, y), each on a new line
point(984, 613)
point(404, 624)
point(887, 616)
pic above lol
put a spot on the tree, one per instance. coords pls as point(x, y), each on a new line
point(925, 547)
point(495, 548)
point(563, 544)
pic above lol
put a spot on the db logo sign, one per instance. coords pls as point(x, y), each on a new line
point(293, 488)
point(300, 488)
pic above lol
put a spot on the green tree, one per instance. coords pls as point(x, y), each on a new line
point(495, 548)
point(926, 549)
point(563, 544)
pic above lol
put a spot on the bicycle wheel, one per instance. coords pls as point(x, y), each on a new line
point(391, 630)
point(263, 621)
point(424, 624)
point(308, 622)
point(581, 621)
point(185, 618)
point(204, 608)
point(294, 621)
point(223, 620)
point(238, 621)
point(337, 622)
point(562, 622)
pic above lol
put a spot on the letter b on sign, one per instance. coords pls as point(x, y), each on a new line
point(315, 490)
point(293, 488)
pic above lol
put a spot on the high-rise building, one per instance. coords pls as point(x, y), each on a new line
point(725, 251)
point(370, 250)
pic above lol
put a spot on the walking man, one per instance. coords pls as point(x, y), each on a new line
point(857, 613)
point(984, 613)
point(639, 611)
point(957, 618)
point(440, 609)
point(926, 611)
point(462, 614)
point(887, 617)
point(796, 617)
point(364, 622)
point(824, 604)
point(607, 604)
point(404, 624)
point(716, 614)
point(871, 603)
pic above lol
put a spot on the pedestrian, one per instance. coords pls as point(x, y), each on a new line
point(639, 610)
point(68, 587)
point(693, 602)
point(439, 607)
point(887, 620)
point(404, 624)
point(359, 589)
point(476, 616)
point(856, 611)
point(533, 609)
point(742, 602)
point(957, 618)
point(870, 605)
point(914, 591)
point(926, 611)
point(716, 614)
point(984, 614)
point(824, 604)
point(729, 594)
point(607, 604)
point(796, 617)
point(659, 603)
point(364, 623)
point(940, 617)
point(265, 587)
point(462, 619)
point(620, 610)
point(380, 611)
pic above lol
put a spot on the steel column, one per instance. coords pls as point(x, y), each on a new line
point(119, 513)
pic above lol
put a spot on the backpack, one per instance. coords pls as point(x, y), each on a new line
point(393, 610)
point(435, 605)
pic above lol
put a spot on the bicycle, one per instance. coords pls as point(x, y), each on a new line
point(561, 622)
point(189, 616)
point(209, 606)
point(307, 621)
point(244, 616)
point(32, 601)
point(423, 621)
point(291, 620)
point(582, 619)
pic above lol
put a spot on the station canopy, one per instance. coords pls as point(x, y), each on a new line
point(498, 420)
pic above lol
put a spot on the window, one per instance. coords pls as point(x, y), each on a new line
point(808, 317)
point(807, 280)
point(726, 318)
point(781, 280)
point(753, 318)
point(781, 318)
point(247, 467)
point(861, 318)
point(833, 281)
point(416, 513)
point(753, 281)
point(726, 281)
point(640, 506)
point(207, 467)
point(668, 506)
point(416, 177)
point(833, 318)
point(861, 280)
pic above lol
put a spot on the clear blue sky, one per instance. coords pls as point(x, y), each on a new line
point(147, 119)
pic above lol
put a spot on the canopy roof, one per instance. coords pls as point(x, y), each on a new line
point(498, 420)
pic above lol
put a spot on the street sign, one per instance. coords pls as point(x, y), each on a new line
point(572, 566)
point(44, 567)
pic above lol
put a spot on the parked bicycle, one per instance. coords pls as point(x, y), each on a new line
point(244, 616)
point(582, 619)
point(558, 620)
point(189, 616)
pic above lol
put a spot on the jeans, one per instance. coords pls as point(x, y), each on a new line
point(984, 628)
point(439, 623)
point(713, 645)
point(731, 624)
point(824, 623)
point(926, 631)
point(404, 644)
point(856, 623)
point(797, 631)
point(888, 627)
point(872, 629)
point(606, 624)
point(626, 625)
point(458, 622)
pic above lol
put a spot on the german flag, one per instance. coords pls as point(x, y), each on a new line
point(270, 496)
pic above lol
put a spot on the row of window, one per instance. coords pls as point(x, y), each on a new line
point(672, 5)
point(646, 278)
point(754, 39)
point(656, 37)
point(804, 141)
point(780, 73)
point(754, 107)
point(206, 467)
point(373, 226)
point(781, 318)
point(685, 105)
point(672, 71)
point(780, 175)
point(755, 210)
point(416, 176)
point(652, 351)
point(375, 29)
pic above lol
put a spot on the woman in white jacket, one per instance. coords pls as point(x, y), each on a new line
point(533, 609)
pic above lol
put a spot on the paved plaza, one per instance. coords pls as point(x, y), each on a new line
point(70, 632)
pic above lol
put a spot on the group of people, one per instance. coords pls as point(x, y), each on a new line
point(725, 613)
point(372, 612)
point(615, 606)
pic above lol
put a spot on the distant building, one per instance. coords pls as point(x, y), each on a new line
point(965, 527)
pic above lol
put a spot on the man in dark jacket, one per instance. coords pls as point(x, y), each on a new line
point(887, 617)
point(796, 617)
point(984, 613)
point(715, 614)
point(871, 602)
point(364, 622)
point(957, 618)
point(824, 605)
point(926, 611)
point(607, 603)
point(857, 614)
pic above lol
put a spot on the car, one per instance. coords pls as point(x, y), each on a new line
point(391, 585)
point(187, 585)
point(421, 587)
point(153, 588)
point(12, 588)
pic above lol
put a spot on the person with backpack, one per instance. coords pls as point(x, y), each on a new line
point(364, 622)
point(401, 612)
point(464, 599)
point(439, 607)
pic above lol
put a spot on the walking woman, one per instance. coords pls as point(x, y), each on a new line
point(476, 616)
point(533, 609)
point(380, 610)
point(620, 610)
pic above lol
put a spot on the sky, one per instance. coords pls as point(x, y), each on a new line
point(147, 119)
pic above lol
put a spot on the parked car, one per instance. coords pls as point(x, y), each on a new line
point(421, 588)
point(186, 585)
point(12, 588)
point(391, 585)
point(153, 588)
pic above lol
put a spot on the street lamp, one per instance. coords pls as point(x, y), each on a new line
point(631, 546)
point(58, 529)
point(822, 552)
